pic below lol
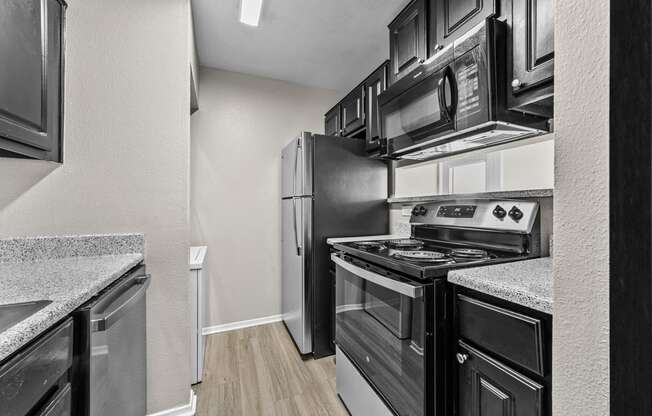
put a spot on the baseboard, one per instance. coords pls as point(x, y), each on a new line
point(241, 324)
point(188, 409)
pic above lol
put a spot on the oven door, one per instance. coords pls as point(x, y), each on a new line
point(381, 328)
point(420, 112)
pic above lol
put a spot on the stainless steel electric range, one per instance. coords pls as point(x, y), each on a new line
point(392, 301)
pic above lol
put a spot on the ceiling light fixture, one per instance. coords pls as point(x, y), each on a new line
point(250, 11)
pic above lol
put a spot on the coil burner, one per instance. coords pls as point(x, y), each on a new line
point(405, 244)
point(469, 254)
point(369, 245)
point(422, 255)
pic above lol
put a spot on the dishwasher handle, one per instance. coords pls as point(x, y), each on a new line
point(112, 315)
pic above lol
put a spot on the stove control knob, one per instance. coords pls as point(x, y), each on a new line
point(499, 212)
point(515, 214)
point(415, 211)
point(423, 210)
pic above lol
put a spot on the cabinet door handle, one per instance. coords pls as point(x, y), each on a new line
point(517, 84)
point(461, 358)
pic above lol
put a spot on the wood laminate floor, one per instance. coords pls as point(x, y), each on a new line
point(258, 371)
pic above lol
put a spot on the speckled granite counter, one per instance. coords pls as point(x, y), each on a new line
point(527, 283)
point(65, 270)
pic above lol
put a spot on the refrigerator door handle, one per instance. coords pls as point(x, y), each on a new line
point(296, 166)
point(296, 231)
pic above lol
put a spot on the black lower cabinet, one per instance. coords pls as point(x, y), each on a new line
point(490, 388)
point(36, 380)
point(503, 356)
point(60, 404)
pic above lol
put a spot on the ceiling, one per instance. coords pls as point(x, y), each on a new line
point(330, 44)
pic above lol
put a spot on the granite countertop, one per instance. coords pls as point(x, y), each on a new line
point(366, 238)
point(527, 283)
point(68, 271)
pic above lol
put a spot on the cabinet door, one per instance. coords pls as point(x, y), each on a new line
point(60, 404)
point(353, 111)
point(489, 388)
point(31, 374)
point(31, 72)
point(451, 18)
point(407, 40)
point(374, 85)
point(532, 46)
point(332, 122)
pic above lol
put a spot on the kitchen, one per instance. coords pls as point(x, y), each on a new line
point(497, 293)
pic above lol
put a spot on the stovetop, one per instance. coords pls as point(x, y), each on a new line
point(424, 259)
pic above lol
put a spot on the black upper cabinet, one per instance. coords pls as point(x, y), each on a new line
point(424, 27)
point(449, 19)
point(353, 111)
point(332, 125)
point(531, 46)
point(31, 79)
point(408, 40)
point(374, 85)
point(357, 115)
point(487, 387)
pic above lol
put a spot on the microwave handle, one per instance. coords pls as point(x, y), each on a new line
point(449, 77)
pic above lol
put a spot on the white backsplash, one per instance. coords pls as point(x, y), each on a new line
point(400, 223)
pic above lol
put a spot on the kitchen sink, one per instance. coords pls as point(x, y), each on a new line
point(13, 313)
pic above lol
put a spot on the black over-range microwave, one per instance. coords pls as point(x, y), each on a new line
point(454, 102)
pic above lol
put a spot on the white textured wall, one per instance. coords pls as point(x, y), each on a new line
point(237, 136)
point(125, 162)
point(581, 236)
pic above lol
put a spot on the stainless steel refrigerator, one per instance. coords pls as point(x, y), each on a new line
point(330, 188)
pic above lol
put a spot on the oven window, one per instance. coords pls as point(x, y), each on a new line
point(382, 332)
point(391, 309)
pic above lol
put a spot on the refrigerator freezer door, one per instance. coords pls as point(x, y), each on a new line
point(297, 167)
point(295, 270)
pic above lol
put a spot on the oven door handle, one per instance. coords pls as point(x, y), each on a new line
point(409, 290)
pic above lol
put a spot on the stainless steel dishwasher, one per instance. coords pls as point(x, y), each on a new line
point(110, 351)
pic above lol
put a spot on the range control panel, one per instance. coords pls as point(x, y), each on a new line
point(506, 215)
point(457, 211)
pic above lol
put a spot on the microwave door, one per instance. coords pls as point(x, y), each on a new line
point(420, 112)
